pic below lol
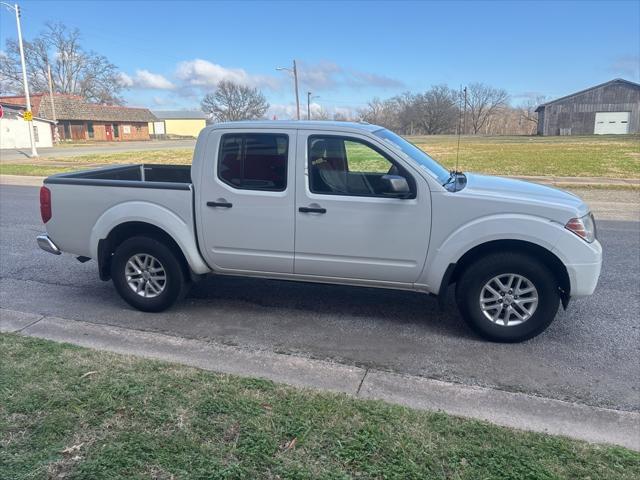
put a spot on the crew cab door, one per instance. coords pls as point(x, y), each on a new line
point(245, 200)
point(348, 225)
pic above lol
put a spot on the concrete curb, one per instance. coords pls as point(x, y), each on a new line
point(21, 180)
point(575, 182)
point(515, 410)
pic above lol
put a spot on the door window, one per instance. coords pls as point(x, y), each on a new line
point(349, 166)
point(254, 161)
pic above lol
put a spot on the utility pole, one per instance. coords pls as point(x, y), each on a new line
point(294, 71)
point(56, 134)
point(16, 9)
point(295, 79)
point(310, 97)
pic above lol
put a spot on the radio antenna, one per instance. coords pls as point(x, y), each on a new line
point(461, 115)
point(460, 123)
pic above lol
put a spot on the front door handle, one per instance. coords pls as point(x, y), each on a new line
point(312, 210)
point(221, 204)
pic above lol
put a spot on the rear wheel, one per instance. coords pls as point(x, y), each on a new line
point(147, 274)
point(508, 297)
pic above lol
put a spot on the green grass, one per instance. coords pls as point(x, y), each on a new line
point(82, 414)
point(590, 156)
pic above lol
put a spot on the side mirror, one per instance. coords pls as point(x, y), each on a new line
point(396, 185)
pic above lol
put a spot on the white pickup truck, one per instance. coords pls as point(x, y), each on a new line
point(331, 202)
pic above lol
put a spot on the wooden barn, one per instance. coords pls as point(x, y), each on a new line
point(78, 120)
point(609, 108)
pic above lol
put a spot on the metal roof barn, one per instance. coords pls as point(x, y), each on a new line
point(609, 108)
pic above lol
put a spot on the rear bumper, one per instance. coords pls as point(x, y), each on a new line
point(46, 244)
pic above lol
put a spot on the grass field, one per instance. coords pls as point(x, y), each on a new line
point(68, 412)
point(593, 156)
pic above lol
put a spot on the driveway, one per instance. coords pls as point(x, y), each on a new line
point(588, 355)
point(68, 151)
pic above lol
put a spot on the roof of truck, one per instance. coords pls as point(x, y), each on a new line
point(299, 125)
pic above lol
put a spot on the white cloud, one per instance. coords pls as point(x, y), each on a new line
point(328, 75)
point(320, 76)
point(146, 79)
point(287, 111)
point(203, 73)
point(626, 65)
point(126, 80)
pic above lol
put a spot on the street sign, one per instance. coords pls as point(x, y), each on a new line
point(28, 116)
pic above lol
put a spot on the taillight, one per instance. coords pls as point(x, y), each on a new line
point(45, 204)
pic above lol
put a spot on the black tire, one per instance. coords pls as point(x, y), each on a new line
point(476, 275)
point(175, 278)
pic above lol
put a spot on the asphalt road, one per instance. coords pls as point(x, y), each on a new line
point(589, 354)
point(67, 151)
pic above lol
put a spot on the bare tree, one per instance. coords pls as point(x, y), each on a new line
point(320, 114)
point(232, 101)
point(74, 70)
point(483, 102)
point(381, 112)
point(528, 110)
point(437, 110)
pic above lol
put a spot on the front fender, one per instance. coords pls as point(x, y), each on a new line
point(528, 228)
point(156, 215)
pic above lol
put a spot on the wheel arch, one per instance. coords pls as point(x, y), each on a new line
point(550, 260)
point(108, 245)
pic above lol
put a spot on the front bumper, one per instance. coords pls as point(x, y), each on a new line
point(584, 276)
point(46, 244)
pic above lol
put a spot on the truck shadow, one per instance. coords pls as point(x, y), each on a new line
point(383, 306)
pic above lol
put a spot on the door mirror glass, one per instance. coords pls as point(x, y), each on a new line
point(396, 185)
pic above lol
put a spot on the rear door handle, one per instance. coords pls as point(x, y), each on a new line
point(219, 204)
point(312, 210)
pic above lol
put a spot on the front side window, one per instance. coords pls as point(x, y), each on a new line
point(254, 161)
point(90, 129)
point(349, 166)
point(414, 153)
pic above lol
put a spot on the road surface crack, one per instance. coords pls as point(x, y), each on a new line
point(362, 381)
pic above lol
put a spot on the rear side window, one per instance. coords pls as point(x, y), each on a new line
point(254, 161)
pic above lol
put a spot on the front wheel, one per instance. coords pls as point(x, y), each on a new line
point(147, 274)
point(508, 297)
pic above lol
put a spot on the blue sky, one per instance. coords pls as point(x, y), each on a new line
point(171, 53)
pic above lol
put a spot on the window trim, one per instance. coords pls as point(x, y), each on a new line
point(413, 186)
point(243, 150)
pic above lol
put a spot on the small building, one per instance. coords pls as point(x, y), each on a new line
point(178, 123)
point(609, 108)
point(14, 130)
point(78, 120)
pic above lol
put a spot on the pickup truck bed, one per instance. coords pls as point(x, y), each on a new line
point(176, 177)
point(99, 200)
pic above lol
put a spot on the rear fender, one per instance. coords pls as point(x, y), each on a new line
point(145, 212)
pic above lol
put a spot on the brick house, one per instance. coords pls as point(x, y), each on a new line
point(79, 120)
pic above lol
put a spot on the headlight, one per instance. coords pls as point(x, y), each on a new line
point(584, 227)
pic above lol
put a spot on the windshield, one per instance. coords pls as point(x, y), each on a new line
point(409, 149)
